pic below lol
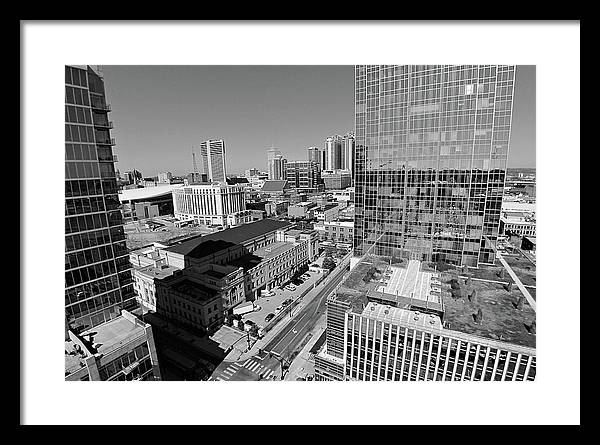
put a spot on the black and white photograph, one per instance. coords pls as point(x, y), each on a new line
point(309, 226)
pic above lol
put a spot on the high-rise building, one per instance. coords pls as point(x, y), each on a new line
point(348, 150)
point(314, 154)
point(98, 279)
point(393, 322)
point(334, 153)
point(303, 175)
point(212, 154)
point(165, 177)
point(275, 164)
point(431, 151)
point(103, 341)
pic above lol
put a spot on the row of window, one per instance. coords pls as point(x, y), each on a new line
point(80, 152)
point(76, 76)
point(83, 188)
point(140, 353)
point(85, 274)
point(88, 290)
point(77, 96)
point(86, 240)
point(96, 304)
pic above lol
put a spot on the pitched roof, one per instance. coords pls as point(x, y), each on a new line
point(274, 186)
point(226, 238)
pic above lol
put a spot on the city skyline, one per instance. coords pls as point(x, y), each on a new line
point(252, 108)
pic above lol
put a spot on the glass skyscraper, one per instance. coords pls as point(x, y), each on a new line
point(98, 280)
point(430, 162)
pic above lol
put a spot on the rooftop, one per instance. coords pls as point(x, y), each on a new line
point(247, 261)
point(274, 186)
point(113, 334)
point(197, 291)
point(401, 316)
point(147, 192)
point(235, 235)
point(273, 249)
point(410, 286)
point(156, 272)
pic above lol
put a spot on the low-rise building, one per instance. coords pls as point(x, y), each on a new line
point(336, 231)
point(185, 298)
point(336, 179)
point(327, 212)
point(304, 209)
point(517, 223)
point(120, 349)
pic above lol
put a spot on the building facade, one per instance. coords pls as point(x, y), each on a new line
point(98, 281)
point(336, 231)
point(303, 174)
point(212, 155)
point(336, 179)
point(430, 159)
point(208, 204)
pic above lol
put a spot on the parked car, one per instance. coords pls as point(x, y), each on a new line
point(290, 287)
point(287, 301)
point(269, 317)
point(278, 309)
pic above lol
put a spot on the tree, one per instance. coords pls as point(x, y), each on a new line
point(509, 286)
point(468, 281)
point(500, 273)
point(254, 331)
point(328, 263)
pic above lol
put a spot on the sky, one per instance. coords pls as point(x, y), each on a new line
point(161, 112)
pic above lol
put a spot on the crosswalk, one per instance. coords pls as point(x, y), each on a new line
point(251, 365)
point(258, 368)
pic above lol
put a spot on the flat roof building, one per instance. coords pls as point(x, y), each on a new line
point(208, 204)
point(400, 322)
point(120, 349)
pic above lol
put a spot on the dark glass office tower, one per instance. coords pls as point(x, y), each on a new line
point(431, 150)
point(98, 281)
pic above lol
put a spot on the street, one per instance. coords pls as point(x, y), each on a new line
point(291, 335)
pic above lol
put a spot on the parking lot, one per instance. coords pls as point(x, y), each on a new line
point(269, 304)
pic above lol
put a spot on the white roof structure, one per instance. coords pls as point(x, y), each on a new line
point(147, 192)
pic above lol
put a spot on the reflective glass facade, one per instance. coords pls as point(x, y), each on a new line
point(430, 161)
point(98, 280)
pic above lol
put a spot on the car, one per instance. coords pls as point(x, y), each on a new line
point(278, 309)
point(290, 287)
point(287, 301)
point(269, 317)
